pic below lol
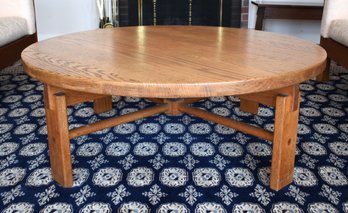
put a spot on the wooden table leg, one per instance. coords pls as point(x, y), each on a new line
point(103, 104)
point(260, 17)
point(284, 142)
point(249, 106)
point(58, 137)
point(325, 75)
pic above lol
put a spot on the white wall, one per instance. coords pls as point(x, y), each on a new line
point(305, 29)
point(58, 17)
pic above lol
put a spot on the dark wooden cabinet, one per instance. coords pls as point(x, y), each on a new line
point(286, 10)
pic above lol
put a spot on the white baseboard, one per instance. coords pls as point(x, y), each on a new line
point(46, 36)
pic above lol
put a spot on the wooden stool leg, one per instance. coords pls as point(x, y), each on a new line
point(249, 106)
point(58, 138)
point(325, 76)
point(284, 142)
point(103, 104)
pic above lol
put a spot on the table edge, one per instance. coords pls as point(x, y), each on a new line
point(172, 90)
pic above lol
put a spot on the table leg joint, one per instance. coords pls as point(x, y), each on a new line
point(103, 104)
point(173, 105)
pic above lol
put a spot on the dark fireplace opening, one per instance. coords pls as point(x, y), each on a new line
point(225, 13)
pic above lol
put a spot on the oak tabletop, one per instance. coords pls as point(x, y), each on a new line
point(173, 61)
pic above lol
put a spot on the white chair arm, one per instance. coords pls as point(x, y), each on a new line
point(19, 8)
point(333, 9)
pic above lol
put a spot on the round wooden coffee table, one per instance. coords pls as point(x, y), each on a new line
point(174, 66)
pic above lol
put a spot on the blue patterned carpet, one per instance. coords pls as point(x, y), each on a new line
point(173, 164)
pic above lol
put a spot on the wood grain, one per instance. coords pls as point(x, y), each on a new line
point(58, 137)
point(269, 97)
point(174, 66)
point(249, 106)
point(103, 104)
point(240, 126)
point(284, 142)
point(173, 61)
point(110, 122)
